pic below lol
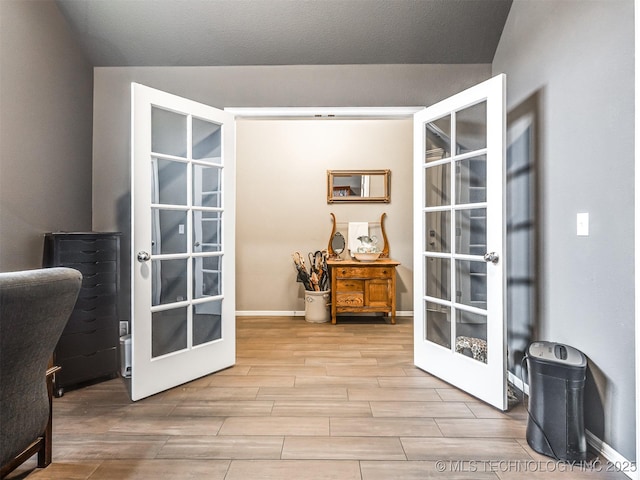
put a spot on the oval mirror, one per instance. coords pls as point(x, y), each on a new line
point(338, 243)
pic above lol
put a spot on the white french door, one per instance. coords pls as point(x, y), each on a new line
point(183, 265)
point(459, 239)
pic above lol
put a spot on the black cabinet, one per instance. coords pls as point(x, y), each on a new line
point(88, 348)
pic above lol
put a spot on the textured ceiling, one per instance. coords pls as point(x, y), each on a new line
point(285, 32)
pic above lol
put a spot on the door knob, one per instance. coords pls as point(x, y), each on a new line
point(491, 257)
point(197, 244)
point(143, 257)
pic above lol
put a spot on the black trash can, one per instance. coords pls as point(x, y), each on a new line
point(556, 401)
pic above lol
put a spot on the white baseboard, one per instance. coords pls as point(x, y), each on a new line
point(601, 448)
point(518, 383)
point(269, 313)
point(295, 313)
point(617, 461)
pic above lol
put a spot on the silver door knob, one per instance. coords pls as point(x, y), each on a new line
point(491, 257)
point(143, 257)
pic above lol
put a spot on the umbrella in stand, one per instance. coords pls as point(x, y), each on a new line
point(315, 261)
point(303, 275)
point(324, 279)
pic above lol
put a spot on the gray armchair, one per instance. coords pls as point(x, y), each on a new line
point(34, 308)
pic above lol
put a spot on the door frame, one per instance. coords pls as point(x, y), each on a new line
point(278, 113)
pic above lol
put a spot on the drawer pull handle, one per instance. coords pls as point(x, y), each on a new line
point(344, 272)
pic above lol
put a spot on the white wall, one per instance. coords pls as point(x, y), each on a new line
point(576, 58)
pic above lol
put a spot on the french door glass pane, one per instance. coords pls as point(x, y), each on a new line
point(207, 141)
point(438, 139)
point(471, 335)
point(438, 324)
point(207, 231)
point(168, 331)
point(438, 277)
point(471, 231)
point(168, 231)
point(471, 180)
point(207, 322)
point(207, 186)
point(471, 128)
point(168, 132)
point(438, 185)
point(170, 185)
point(471, 283)
point(438, 234)
point(207, 276)
point(168, 281)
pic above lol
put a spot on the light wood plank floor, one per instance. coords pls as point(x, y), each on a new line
point(305, 401)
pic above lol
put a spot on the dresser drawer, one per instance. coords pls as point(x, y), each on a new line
point(87, 367)
point(97, 289)
point(87, 244)
point(88, 301)
point(364, 272)
point(350, 299)
point(83, 320)
point(88, 255)
point(99, 278)
point(85, 343)
point(93, 269)
point(348, 285)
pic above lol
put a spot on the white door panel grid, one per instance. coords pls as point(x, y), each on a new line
point(459, 241)
point(183, 240)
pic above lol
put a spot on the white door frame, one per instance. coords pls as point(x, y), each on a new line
point(323, 112)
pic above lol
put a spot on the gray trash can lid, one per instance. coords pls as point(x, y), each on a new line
point(557, 353)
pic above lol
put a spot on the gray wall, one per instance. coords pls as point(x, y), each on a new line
point(386, 85)
point(575, 59)
point(46, 89)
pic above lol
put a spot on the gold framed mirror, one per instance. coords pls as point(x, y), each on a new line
point(358, 186)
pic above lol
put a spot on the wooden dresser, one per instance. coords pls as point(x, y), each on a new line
point(363, 287)
point(88, 347)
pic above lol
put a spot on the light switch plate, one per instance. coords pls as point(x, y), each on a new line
point(582, 224)
point(124, 328)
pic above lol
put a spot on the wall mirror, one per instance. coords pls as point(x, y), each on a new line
point(358, 186)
